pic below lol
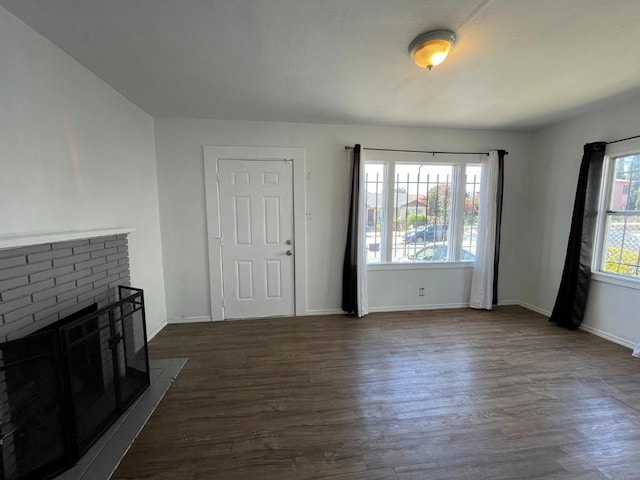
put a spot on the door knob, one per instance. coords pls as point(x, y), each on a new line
point(289, 252)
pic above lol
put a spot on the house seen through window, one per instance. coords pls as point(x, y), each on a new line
point(421, 212)
point(621, 235)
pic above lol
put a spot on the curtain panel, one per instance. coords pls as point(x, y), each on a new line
point(354, 271)
point(571, 301)
point(498, 226)
point(484, 279)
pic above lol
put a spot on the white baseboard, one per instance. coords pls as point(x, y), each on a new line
point(539, 310)
point(508, 303)
point(586, 328)
point(156, 330)
point(174, 320)
point(331, 311)
point(407, 308)
point(607, 336)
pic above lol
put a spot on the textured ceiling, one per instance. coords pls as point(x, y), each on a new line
point(518, 64)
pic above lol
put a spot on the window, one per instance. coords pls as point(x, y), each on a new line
point(421, 210)
point(620, 224)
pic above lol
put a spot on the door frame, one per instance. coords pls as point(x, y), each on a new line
point(214, 234)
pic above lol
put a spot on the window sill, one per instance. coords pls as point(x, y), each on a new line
point(616, 280)
point(418, 266)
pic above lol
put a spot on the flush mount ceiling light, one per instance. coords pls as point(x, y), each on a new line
point(431, 48)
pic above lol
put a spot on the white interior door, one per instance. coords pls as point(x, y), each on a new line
point(258, 251)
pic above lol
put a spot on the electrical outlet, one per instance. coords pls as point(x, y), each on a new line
point(421, 291)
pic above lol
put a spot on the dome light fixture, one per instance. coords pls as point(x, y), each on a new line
point(429, 49)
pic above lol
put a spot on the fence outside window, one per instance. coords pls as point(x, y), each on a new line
point(621, 254)
point(421, 200)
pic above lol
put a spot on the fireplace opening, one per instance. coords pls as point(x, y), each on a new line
point(64, 385)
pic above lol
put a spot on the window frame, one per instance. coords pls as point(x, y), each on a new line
point(605, 198)
point(455, 232)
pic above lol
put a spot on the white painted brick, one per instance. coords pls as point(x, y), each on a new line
point(55, 310)
point(91, 278)
point(6, 307)
point(105, 266)
point(26, 290)
point(92, 247)
point(51, 273)
point(53, 292)
point(118, 269)
point(120, 281)
point(10, 262)
point(61, 262)
point(116, 243)
point(105, 281)
point(29, 310)
point(74, 293)
point(117, 256)
point(69, 244)
point(102, 239)
point(24, 270)
point(13, 252)
point(91, 294)
point(10, 252)
point(50, 255)
point(104, 252)
point(39, 267)
point(7, 285)
point(73, 276)
point(90, 263)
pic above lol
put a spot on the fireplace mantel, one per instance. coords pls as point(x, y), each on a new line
point(24, 240)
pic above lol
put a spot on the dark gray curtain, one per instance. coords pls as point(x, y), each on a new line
point(499, 195)
point(350, 266)
point(571, 301)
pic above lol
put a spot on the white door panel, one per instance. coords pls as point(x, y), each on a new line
point(256, 220)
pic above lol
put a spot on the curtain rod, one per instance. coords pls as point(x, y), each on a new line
point(347, 147)
point(622, 140)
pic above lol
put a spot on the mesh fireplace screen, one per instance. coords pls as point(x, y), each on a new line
point(33, 418)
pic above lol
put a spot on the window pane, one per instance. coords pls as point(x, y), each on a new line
point(374, 184)
point(622, 251)
point(422, 198)
point(626, 184)
point(471, 209)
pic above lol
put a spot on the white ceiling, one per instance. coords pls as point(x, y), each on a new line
point(518, 64)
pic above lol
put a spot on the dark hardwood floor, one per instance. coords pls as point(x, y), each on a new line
point(453, 394)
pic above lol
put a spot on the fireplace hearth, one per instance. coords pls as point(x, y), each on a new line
point(62, 386)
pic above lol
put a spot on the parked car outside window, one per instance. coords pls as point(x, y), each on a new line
point(427, 233)
point(438, 252)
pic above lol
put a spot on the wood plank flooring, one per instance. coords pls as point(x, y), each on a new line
point(449, 394)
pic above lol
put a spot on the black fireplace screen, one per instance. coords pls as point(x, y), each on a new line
point(62, 387)
point(34, 437)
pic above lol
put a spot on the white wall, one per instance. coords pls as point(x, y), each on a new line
point(75, 155)
point(612, 310)
point(179, 147)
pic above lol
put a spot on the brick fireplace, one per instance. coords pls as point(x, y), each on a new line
point(40, 284)
point(102, 358)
